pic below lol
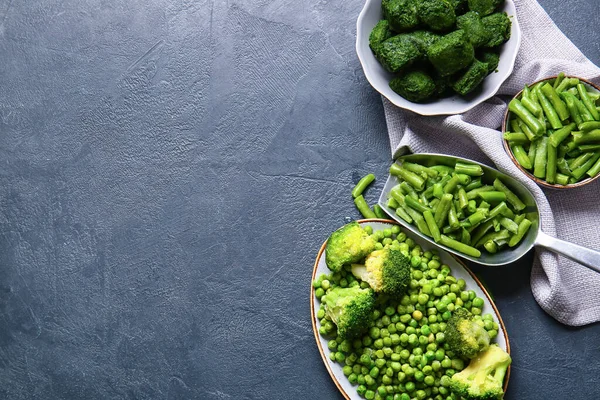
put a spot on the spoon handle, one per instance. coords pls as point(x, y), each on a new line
point(588, 257)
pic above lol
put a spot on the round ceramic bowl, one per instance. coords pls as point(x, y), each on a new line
point(541, 182)
point(379, 78)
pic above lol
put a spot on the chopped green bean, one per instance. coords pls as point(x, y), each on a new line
point(558, 79)
point(362, 185)
point(379, 213)
point(442, 210)
point(509, 224)
point(419, 169)
point(432, 225)
point(532, 122)
point(532, 151)
point(562, 179)
point(561, 134)
point(557, 103)
point(493, 196)
point(589, 104)
point(404, 215)
point(521, 231)
point(512, 198)
point(588, 126)
point(586, 137)
point(475, 183)
point(549, 110)
point(363, 207)
point(413, 179)
point(589, 147)
point(412, 203)
point(462, 198)
point(541, 158)
point(468, 169)
point(551, 164)
point(572, 107)
point(460, 247)
point(521, 156)
point(580, 171)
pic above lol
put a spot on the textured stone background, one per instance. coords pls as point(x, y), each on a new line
point(168, 171)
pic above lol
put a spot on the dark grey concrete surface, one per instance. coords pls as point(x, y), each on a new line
point(168, 171)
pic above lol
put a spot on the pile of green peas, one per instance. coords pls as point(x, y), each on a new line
point(404, 355)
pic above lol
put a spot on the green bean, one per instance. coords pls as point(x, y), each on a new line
point(438, 190)
point(472, 194)
point(557, 103)
point(476, 218)
point(363, 207)
point(595, 169)
point(404, 215)
point(586, 115)
point(509, 224)
point(551, 164)
point(471, 207)
point(379, 213)
point(442, 210)
point(392, 203)
point(413, 179)
point(475, 183)
point(462, 198)
point(481, 230)
point(549, 110)
point(450, 187)
point(414, 204)
point(460, 247)
point(580, 171)
point(558, 80)
point(589, 147)
point(419, 220)
point(495, 236)
point(572, 107)
point(408, 190)
point(520, 155)
point(589, 126)
point(491, 247)
point(562, 179)
point(419, 169)
point(532, 106)
point(432, 225)
point(563, 167)
point(510, 196)
point(465, 236)
point(362, 185)
point(452, 218)
point(561, 134)
point(589, 104)
point(532, 151)
point(397, 194)
point(493, 196)
point(567, 83)
point(526, 131)
point(521, 231)
point(532, 122)
point(468, 169)
point(501, 209)
point(516, 137)
point(539, 168)
point(586, 137)
point(514, 125)
point(463, 179)
point(443, 169)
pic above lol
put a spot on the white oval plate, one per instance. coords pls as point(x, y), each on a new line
point(379, 78)
point(459, 270)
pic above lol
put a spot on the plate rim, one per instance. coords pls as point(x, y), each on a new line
point(314, 319)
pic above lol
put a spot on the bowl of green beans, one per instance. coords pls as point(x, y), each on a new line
point(551, 132)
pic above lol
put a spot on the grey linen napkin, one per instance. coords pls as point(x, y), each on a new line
point(566, 290)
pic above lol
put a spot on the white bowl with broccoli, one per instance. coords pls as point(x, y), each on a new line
point(432, 68)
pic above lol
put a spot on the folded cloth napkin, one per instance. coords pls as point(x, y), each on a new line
point(566, 290)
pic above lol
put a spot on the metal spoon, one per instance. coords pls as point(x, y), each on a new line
point(534, 237)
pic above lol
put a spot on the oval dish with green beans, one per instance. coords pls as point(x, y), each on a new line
point(458, 206)
point(552, 131)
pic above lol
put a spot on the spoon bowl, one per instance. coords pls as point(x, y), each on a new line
point(534, 237)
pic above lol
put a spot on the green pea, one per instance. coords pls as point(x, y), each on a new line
point(478, 302)
point(458, 364)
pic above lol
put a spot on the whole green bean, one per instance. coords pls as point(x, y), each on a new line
point(419, 169)
point(521, 231)
point(413, 179)
point(362, 185)
point(589, 104)
point(468, 169)
point(512, 198)
point(516, 137)
point(432, 225)
point(379, 213)
point(562, 179)
point(551, 164)
point(586, 137)
point(363, 207)
point(559, 105)
point(549, 110)
point(539, 168)
point(532, 122)
point(572, 107)
point(460, 247)
point(561, 134)
point(521, 155)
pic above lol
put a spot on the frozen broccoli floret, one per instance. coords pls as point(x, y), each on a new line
point(471, 78)
point(498, 26)
point(483, 377)
point(476, 32)
point(401, 14)
point(490, 58)
point(398, 53)
point(379, 34)
point(465, 336)
point(424, 39)
point(451, 53)
point(349, 244)
point(436, 14)
point(416, 86)
point(387, 271)
point(350, 310)
point(460, 6)
point(484, 7)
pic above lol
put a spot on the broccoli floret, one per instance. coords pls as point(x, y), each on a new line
point(451, 53)
point(436, 14)
point(474, 28)
point(424, 39)
point(349, 244)
point(380, 32)
point(398, 53)
point(484, 7)
point(416, 86)
point(465, 336)
point(498, 26)
point(350, 310)
point(402, 14)
point(471, 78)
point(490, 58)
point(483, 377)
point(387, 271)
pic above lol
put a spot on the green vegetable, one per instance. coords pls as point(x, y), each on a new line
point(362, 185)
point(363, 207)
point(437, 15)
point(474, 28)
point(498, 26)
point(464, 336)
point(349, 309)
point(483, 377)
point(401, 14)
point(484, 7)
point(349, 244)
point(491, 58)
point(460, 247)
point(398, 53)
point(416, 86)
point(380, 33)
point(471, 78)
point(451, 53)
point(386, 271)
